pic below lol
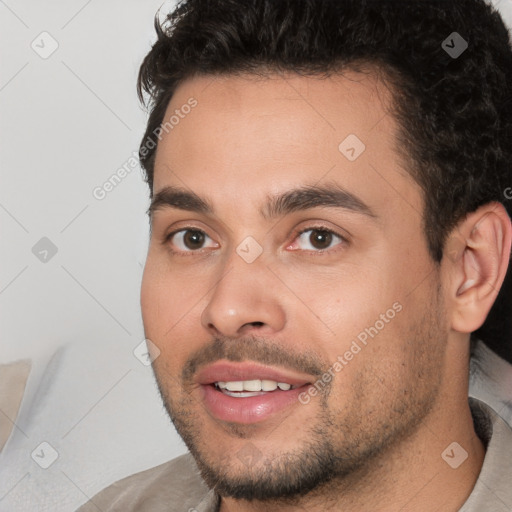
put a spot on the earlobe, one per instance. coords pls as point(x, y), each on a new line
point(479, 271)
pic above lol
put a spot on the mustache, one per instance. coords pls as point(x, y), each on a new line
point(254, 349)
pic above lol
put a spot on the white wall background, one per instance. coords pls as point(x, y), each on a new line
point(67, 123)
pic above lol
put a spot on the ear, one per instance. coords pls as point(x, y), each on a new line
point(478, 255)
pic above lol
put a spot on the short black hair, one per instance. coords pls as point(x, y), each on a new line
point(453, 109)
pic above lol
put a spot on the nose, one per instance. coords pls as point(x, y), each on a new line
point(245, 298)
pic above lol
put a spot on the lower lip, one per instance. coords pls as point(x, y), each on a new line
point(250, 409)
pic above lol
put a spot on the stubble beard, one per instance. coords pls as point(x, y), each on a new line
point(337, 448)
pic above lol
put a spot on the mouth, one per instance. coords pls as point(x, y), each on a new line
point(254, 387)
point(249, 393)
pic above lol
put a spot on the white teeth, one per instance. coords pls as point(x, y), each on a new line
point(235, 386)
point(268, 385)
point(253, 385)
point(242, 394)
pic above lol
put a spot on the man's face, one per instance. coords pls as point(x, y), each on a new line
point(330, 285)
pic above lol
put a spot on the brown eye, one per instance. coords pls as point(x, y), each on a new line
point(190, 240)
point(193, 239)
point(317, 240)
point(320, 239)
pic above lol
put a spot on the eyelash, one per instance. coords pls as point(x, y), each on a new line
point(296, 234)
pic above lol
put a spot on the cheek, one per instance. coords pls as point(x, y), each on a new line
point(153, 297)
point(170, 310)
point(344, 299)
point(165, 293)
point(360, 313)
point(162, 301)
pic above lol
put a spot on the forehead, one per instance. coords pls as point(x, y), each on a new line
point(248, 132)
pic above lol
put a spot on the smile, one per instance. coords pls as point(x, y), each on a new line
point(255, 387)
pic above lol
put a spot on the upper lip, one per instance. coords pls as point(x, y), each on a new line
point(223, 371)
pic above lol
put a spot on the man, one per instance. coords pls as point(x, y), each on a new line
point(327, 180)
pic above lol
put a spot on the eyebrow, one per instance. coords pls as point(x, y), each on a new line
point(330, 195)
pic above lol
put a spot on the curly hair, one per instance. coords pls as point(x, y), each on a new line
point(454, 112)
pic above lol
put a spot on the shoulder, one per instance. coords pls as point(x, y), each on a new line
point(174, 485)
point(492, 490)
point(490, 380)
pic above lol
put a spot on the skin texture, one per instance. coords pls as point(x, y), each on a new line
point(373, 439)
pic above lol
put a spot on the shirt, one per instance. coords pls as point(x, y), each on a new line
point(176, 486)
